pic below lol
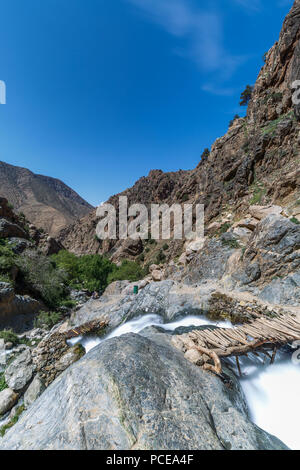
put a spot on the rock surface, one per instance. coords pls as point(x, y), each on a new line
point(19, 373)
point(110, 400)
point(16, 310)
point(35, 389)
point(8, 399)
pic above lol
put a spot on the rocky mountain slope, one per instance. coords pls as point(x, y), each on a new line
point(256, 162)
point(47, 202)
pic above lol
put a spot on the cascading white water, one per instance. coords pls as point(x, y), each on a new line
point(272, 392)
point(138, 324)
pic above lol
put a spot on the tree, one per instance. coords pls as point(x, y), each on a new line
point(246, 95)
point(205, 155)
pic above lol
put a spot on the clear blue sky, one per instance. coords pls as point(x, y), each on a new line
point(101, 91)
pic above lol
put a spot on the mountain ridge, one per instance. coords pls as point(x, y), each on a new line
point(47, 202)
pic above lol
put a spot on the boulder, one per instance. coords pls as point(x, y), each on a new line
point(9, 229)
point(272, 252)
point(19, 373)
point(243, 234)
point(19, 245)
point(16, 311)
point(157, 275)
point(35, 389)
point(260, 212)
point(248, 223)
point(8, 398)
point(137, 392)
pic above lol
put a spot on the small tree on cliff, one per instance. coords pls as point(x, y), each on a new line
point(205, 155)
point(246, 95)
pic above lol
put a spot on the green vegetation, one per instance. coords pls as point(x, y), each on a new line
point(160, 258)
point(47, 320)
point(224, 227)
point(10, 337)
point(85, 272)
point(165, 247)
point(231, 244)
point(43, 277)
point(271, 128)
point(246, 95)
point(7, 258)
point(295, 221)
point(129, 270)
point(13, 421)
point(264, 57)
point(3, 384)
point(258, 193)
point(205, 154)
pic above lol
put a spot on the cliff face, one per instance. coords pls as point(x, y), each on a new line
point(47, 202)
point(255, 162)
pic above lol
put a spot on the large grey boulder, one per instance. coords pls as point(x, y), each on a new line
point(19, 373)
point(34, 390)
point(137, 392)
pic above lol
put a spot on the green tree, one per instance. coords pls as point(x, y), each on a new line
point(246, 95)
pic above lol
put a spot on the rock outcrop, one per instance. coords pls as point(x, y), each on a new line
point(110, 400)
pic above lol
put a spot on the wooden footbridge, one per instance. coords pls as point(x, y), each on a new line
point(207, 347)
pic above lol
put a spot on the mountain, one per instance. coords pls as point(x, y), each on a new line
point(255, 162)
point(47, 202)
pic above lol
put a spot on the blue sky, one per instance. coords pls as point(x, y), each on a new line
point(101, 91)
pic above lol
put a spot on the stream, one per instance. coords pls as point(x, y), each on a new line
point(272, 391)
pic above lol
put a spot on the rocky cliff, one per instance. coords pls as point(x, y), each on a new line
point(46, 202)
point(256, 162)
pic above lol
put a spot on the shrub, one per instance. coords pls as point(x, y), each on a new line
point(69, 303)
point(295, 221)
point(246, 95)
point(224, 227)
point(165, 247)
point(43, 277)
point(231, 243)
point(47, 320)
point(7, 257)
point(129, 270)
point(161, 258)
point(13, 421)
point(3, 384)
point(85, 272)
point(205, 155)
point(9, 337)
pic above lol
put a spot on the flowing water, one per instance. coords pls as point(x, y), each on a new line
point(272, 391)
